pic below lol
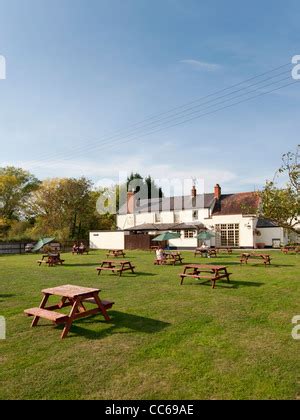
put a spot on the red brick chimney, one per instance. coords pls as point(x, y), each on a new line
point(130, 202)
point(194, 192)
point(217, 192)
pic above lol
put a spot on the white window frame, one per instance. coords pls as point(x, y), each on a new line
point(195, 215)
point(158, 217)
point(177, 217)
point(189, 234)
point(228, 235)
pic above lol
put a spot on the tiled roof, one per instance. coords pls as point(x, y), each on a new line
point(265, 223)
point(173, 204)
point(163, 227)
point(240, 203)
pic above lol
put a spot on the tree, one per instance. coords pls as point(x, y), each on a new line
point(66, 208)
point(62, 207)
point(16, 187)
point(153, 190)
point(282, 204)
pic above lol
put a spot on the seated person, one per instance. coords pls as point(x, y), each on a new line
point(160, 256)
point(75, 248)
point(81, 248)
point(204, 249)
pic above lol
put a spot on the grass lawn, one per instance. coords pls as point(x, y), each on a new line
point(165, 341)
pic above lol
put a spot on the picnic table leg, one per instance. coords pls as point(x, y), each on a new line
point(227, 275)
point(62, 302)
point(182, 277)
point(42, 306)
point(81, 307)
point(101, 307)
point(70, 320)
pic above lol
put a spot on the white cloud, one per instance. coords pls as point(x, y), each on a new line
point(201, 65)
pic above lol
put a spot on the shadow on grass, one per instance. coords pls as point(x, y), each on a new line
point(234, 284)
point(5, 296)
point(119, 321)
point(143, 273)
point(261, 264)
point(83, 265)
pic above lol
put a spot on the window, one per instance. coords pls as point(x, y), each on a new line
point(157, 217)
point(188, 234)
point(195, 215)
point(177, 218)
point(228, 235)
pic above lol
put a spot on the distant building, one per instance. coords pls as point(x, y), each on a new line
point(232, 218)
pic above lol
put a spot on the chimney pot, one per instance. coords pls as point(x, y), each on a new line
point(194, 192)
point(130, 202)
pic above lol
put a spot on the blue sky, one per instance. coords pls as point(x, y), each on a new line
point(79, 71)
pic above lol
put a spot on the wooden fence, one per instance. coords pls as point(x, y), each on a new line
point(12, 247)
point(141, 241)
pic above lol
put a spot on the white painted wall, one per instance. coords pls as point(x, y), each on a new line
point(184, 242)
point(107, 240)
point(268, 234)
point(186, 216)
point(126, 221)
point(246, 234)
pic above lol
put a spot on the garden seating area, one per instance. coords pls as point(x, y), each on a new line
point(145, 336)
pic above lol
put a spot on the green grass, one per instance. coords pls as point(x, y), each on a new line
point(165, 341)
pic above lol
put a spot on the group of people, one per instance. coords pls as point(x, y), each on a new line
point(78, 249)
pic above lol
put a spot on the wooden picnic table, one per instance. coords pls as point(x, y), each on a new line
point(71, 296)
point(293, 249)
point(266, 259)
point(154, 248)
point(81, 251)
point(205, 272)
point(170, 257)
point(207, 252)
point(51, 260)
point(116, 253)
point(116, 267)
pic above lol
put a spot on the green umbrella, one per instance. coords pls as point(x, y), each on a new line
point(41, 243)
point(167, 236)
point(205, 235)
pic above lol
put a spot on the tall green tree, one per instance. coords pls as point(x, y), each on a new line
point(281, 197)
point(62, 207)
point(16, 187)
point(148, 183)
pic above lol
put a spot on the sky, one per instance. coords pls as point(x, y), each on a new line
point(81, 74)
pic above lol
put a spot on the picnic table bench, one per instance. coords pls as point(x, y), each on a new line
point(154, 248)
point(226, 250)
point(211, 252)
point(116, 253)
point(266, 259)
point(291, 249)
point(51, 260)
point(116, 267)
point(172, 257)
point(71, 296)
point(81, 251)
point(211, 273)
